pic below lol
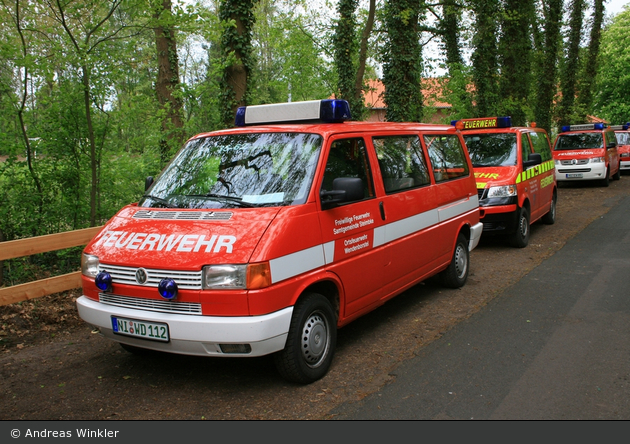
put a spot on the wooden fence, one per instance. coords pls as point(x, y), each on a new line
point(43, 244)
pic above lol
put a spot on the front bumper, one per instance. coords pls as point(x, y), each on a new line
point(590, 171)
point(195, 335)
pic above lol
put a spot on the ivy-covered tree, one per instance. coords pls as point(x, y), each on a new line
point(167, 84)
point(589, 73)
point(485, 64)
point(515, 59)
point(402, 67)
point(570, 68)
point(546, 68)
point(238, 19)
point(345, 50)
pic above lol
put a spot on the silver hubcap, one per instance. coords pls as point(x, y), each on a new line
point(315, 339)
point(461, 264)
point(523, 226)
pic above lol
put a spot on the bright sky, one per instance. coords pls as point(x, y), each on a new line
point(615, 6)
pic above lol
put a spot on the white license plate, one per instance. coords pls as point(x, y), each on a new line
point(155, 331)
point(574, 176)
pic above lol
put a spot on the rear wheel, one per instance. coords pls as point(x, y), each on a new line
point(311, 341)
point(550, 217)
point(456, 274)
point(520, 238)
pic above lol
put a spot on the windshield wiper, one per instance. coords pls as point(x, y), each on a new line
point(235, 199)
point(160, 200)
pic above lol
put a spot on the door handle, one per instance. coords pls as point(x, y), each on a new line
point(382, 208)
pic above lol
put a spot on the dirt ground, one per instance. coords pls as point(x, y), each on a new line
point(53, 367)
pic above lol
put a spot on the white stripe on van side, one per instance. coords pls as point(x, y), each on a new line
point(293, 264)
point(405, 227)
point(296, 263)
point(456, 208)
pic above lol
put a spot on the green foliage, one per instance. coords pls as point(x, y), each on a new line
point(612, 100)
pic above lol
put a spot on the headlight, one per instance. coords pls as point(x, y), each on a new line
point(625, 154)
point(502, 191)
point(89, 265)
point(597, 160)
point(224, 277)
point(236, 277)
point(558, 162)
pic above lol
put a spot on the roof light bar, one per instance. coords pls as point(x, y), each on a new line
point(584, 127)
point(623, 127)
point(323, 111)
point(483, 123)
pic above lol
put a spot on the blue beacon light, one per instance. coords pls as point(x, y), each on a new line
point(103, 281)
point(168, 288)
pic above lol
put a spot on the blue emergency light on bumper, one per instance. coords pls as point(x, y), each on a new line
point(323, 111)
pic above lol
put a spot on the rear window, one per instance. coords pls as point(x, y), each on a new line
point(579, 141)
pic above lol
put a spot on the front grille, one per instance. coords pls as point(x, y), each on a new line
point(186, 280)
point(186, 308)
point(183, 215)
point(481, 192)
point(575, 170)
point(574, 162)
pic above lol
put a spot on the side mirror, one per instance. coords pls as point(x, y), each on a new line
point(611, 145)
point(532, 160)
point(345, 189)
point(148, 182)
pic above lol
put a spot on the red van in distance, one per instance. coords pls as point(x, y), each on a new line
point(622, 133)
point(586, 152)
point(268, 237)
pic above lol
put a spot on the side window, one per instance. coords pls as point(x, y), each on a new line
point(447, 155)
point(401, 162)
point(348, 158)
point(541, 145)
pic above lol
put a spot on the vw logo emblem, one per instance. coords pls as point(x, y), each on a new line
point(141, 276)
point(574, 162)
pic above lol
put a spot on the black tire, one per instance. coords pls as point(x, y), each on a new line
point(520, 238)
point(606, 180)
point(456, 274)
point(550, 217)
point(617, 175)
point(311, 341)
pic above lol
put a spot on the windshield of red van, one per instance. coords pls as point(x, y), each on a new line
point(579, 141)
point(492, 149)
point(238, 170)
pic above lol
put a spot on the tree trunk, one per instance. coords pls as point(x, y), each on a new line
point(168, 81)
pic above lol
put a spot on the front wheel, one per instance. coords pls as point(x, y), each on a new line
point(520, 238)
point(617, 175)
point(310, 346)
point(456, 274)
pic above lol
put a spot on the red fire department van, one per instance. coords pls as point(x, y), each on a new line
point(586, 152)
point(267, 237)
point(515, 175)
point(622, 133)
